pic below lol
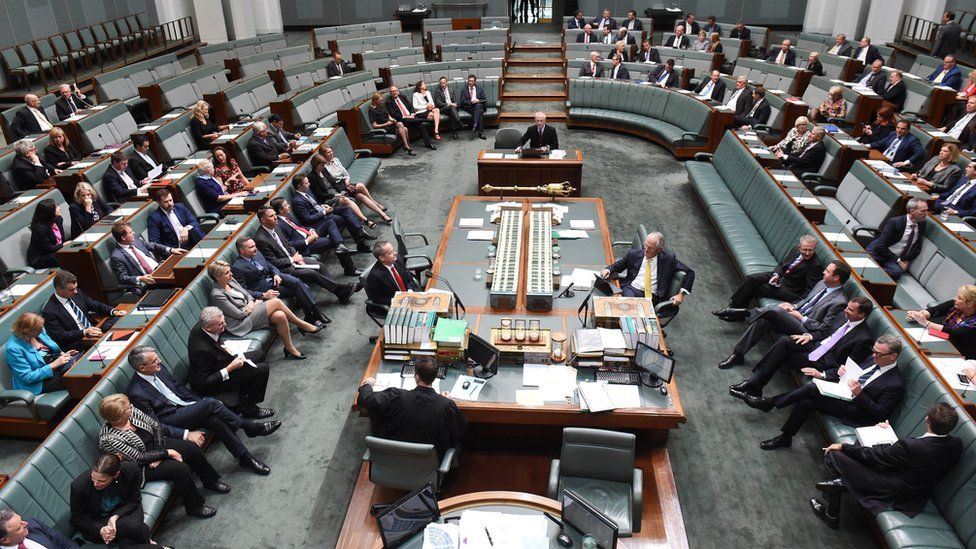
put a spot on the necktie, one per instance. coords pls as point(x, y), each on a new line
point(586, 38)
point(664, 77)
point(71, 103)
point(339, 66)
point(781, 58)
point(398, 280)
point(908, 245)
point(956, 130)
point(146, 269)
point(707, 92)
point(254, 262)
point(890, 151)
point(813, 302)
point(403, 110)
point(473, 93)
point(956, 196)
point(167, 393)
point(734, 98)
point(647, 279)
point(592, 69)
point(615, 69)
point(938, 79)
point(677, 42)
point(79, 315)
point(866, 375)
point(126, 179)
point(829, 343)
point(793, 265)
point(754, 107)
point(280, 243)
point(298, 228)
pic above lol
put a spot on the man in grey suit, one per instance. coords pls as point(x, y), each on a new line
point(811, 314)
point(947, 39)
point(448, 105)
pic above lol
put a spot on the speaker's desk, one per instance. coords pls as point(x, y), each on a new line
point(497, 170)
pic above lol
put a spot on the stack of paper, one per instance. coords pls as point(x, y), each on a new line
point(600, 397)
point(471, 222)
point(471, 392)
point(874, 435)
point(481, 235)
point(839, 389)
point(582, 224)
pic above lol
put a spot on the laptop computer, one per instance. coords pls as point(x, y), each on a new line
point(604, 286)
point(409, 515)
point(534, 153)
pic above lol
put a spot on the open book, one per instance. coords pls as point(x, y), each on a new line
point(839, 389)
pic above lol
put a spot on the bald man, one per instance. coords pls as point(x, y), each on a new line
point(539, 136)
point(30, 120)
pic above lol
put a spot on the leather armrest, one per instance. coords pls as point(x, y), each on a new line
point(16, 395)
point(637, 495)
point(366, 455)
point(872, 231)
point(209, 216)
point(363, 152)
point(412, 256)
point(19, 269)
point(551, 492)
point(417, 234)
point(702, 157)
point(825, 190)
point(970, 219)
point(448, 462)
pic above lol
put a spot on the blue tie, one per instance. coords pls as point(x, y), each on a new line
point(809, 304)
point(79, 314)
point(866, 374)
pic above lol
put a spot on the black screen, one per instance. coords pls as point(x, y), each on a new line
point(654, 361)
point(408, 516)
point(581, 515)
point(483, 354)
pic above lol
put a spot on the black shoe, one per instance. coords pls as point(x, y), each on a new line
point(430, 146)
point(743, 390)
point(411, 153)
point(732, 314)
point(217, 487)
point(255, 465)
point(342, 249)
point(367, 236)
point(319, 326)
point(758, 402)
point(257, 412)
point(324, 319)
point(780, 441)
point(362, 248)
point(481, 135)
point(454, 135)
point(820, 509)
point(833, 486)
point(204, 512)
point(255, 429)
point(345, 292)
point(735, 359)
point(299, 356)
point(353, 272)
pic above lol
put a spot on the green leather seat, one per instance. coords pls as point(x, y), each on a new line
point(362, 169)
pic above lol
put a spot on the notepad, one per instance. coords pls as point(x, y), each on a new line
point(950, 368)
point(958, 227)
point(758, 150)
point(922, 335)
point(836, 237)
point(237, 201)
point(529, 397)
point(284, 169)
point(481, 235)
point(471, 222)
point(582, 224)
point(860, 262)
point(874, 435)
point(534, 375)
point(20, 290)
point(906, 187)
point(806, 200)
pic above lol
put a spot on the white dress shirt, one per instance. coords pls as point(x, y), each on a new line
point(878, 372)
point(957, 129)
point(447, 95)
point(956, 196)
point(28, 543)
point(863, 56)
point(149, 160)
point(126, 179)
point(136, 253)
point(175, 222)
point(638, 281)
point(707, 90)
point(42, 120)
point(734, 98)
point(898, 247)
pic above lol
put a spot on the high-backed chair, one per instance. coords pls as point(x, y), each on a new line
point(507, 138)
point(599, 466)
point(417, 259)
point(406, 465)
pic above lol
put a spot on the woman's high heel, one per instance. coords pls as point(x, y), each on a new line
point(299, 356)
point(318, 328)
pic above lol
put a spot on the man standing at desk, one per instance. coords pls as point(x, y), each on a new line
point(539, 136)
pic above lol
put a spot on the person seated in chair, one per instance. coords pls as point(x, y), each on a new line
point(620, 49)
point(947, 75)
point(59, 152)
point(447, 104)
point(27, 169)
point(119, 181)
point(172, 224)
point(388, 275)
point(281, 136)
point(473, 100)
point(47, 235)
point(71, 100)
point(213, 195)
point(759, 111)
point(263, 150)
point(955, 317)
point(961, 198)
point(30, 120)
point(650, 270)
point(664, 75)
point(741, 32)
point(16, 532)
point(587, 36)
point(71, 316)
point(647, 54)
point(901, 149)
point(402, 111)
point(106, 503)
point(593, 68)
point(577, 21)
point(713, 88)
point(420, 415)
point(679, 41)
point(540, 136)
point(320, 217)
point(337, 67)
point(142, 161)
point(617, 70)
point(132, 260)
point(784, 55)
point(900, 240)
point(35, 360)
point(810, 158)
point(307, 241)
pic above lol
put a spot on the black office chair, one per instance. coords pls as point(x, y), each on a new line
point(416, 259)
point(507, 138)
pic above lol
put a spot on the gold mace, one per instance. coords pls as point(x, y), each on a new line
point(552, 189)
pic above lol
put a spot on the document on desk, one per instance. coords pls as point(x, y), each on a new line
point(836, 237)
point(481, 235)
point(471, 222)
point(958, 227)
point(107, 350)
point(534, 375)
point(155, 172)
point(475, 385)
point(860, 262)
point(874, 435)
point(490, 530)
point(265, 188)
point(284, 169)
point(529, 397)
point(20, 290)
point(922, 335)
point(807, 200)
point(201, 252)
point(951, 368)
point(442, 536)
point(907, 187)
point(557, 154)
point(624, 396)
point(583, 278)
point(237, 201)
point(493, 156)
point(571, 234)
point(758, 150)
point(559, 385)
point(386, 380)
point(81, 165)
point(595, 396)
point(582, 224)
point(786, 178)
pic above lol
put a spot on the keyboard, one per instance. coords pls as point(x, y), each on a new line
point(618, 377)
point(407, 371)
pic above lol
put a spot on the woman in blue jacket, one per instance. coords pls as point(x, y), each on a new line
point(35, 360)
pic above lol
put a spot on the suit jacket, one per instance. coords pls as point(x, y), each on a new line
point(667, 265)
point(816, 68)
point(465, 101)
point(147, 398)
point(672, 80)
point(44, 244)
point(60, 159)
point(718, 90)
point(622, 73)
point(332, 68)
point(207, 358)
point(125, 268)
point(82, 220)
point(61, 325)
point(394, 110)
point(825, 312)
point(692, 29)
point(548, 138)
point(909, 149)
point(419, 415)
point(790, 57)
point(898, 476)
point(876, 81)
point(139, 167)
point(962, 336)
point(946, 40)
point(968, 134)
point(877, 400)
point(743, 103)
point(634, 25)
point(293, 238)
point(281, 137)
point(24, 124)
point(595, 23)
point(966, 205)
point(624, 59)
point(270, 250)
point(255, 281)
point(891, 233)
point(872, 55)
point(264, 151)
point(609, 38)
point(575, 23)
point(761, 114)
point(440, 101)
point(209, 191)
point(239, 323)
point(894, 94)
point(28, 175)
point(323, 187)
point(581, 38)
point(585, 70)
point(162, 231)
point(952, 79)
point(48, 536)
point(648, 56)
point(116, 189)
point(307, 211)
point(380, 286)
point(803, 277)
point(86, 501)
point(63, 109)
point(27, 367)
point(682, 45)
point(844, 51)
point(856, 344)
point(810, 159)
point(744, 34)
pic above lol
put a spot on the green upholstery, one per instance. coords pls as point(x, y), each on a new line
point(15, 236)
point(7, 116)
point(109, 126)
point(943, 264)
point(188, 88)
point(348, 46)
point(405, 77)
point(315, 105)
point(466, 52)
point(259, 64)
point(819, 86)
point(322, 35)
point(406, 465)
point(361, 170)
point(123, 83)
point(372, 61)
point(863, 198)
point(473, 36)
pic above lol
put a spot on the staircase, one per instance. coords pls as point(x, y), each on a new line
point(534, 76)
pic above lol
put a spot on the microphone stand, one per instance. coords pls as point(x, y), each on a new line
point(459, 310)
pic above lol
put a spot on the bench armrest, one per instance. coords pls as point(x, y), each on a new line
point(825, 190)
point(363, 152)
point(861, 229)
point(703, 157)
point(637, 497)
point(420, 235)
point(16, 395)
point(553, 479)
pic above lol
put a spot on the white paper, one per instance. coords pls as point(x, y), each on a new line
point(386, 380)
point(571, 234)
point(410, 383)
point(471, 222)
point(192, 161)
point(860, 262)
point(529, 397)
point(74, 118)
point(170, 115)
point(82, 165)
point(950, 368)
point(237, 201)
point(125, 211)
point(481, 235)
point(786, 178)
point(624, 396)
point(557, 154)
point(201, 252)
point(109, 350)
point(441, 536)
point(758, 150)
point(149, 127)
point(475, 385)
point(874, 435)
point(265, 188)
point(906, 187)
point(922, 335)
point(582, 224)
point(237, 346)
point(723, 108)
point(494, 156)
point(534, 375)
point(958, 227)
point(224, 138)
point(284, 169)
point(836, 237)
point(155, 172)
point(583, 278)
point(938, 134)
point(227, 227)
point(322, 132)
point(98, 107)
point(89, 237)
point(806, 200)
point(560, 383)
point(20, 290)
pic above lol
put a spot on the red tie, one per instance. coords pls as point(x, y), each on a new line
point(403, 110)
point(399, 281)
point(586, 39)
point(142, 261)
point(298, 228)
point(21, 545)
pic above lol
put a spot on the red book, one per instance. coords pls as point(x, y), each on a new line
point(939, 334)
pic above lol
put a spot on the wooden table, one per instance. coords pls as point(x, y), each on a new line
point(529, 172)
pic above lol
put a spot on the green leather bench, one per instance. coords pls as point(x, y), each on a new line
point(318, 105)
point(473, 36)
point(261, 63)
point(770, 75)
point(108, 126)
point(322, 35)
point(7, 116)
point(359, 163)
point(406, 76)
point(348, 46)
point(123, 84)
point(863, 198)
point(943, 264)
point(372, 61)
point(15, 237)
point(188, 88)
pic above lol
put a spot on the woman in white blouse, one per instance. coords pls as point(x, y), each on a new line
point(342, 183)
point(423, 106)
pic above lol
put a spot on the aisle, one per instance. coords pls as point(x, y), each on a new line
point(534, 75)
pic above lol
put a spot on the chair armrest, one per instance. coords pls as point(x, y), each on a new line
point(913, 116)
point(376, 132)
point(209, 216)
point(764, 127)
point(20, 269)
point(703, 157)
point(412, 256)
point(114, 205)
point(256, 170)
point(366, 455)
point(16, 395)
point(448, 462)
point(971, 220)
point(692, 135)
point(872, 231)
point(551, 493)
point(419, 235)
point(816, 179)
point(637, 497)
point(824, 190)
point(363, 152)
point(310, 126)
point(836, 121)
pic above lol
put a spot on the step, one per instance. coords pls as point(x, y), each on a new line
point(548, 78)
point(537, 62)
point(513, 95)
point(530, 116)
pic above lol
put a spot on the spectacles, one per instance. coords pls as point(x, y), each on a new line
point(875, 352)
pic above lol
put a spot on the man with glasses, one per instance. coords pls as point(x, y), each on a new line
point(650, 270)
point(876, 392)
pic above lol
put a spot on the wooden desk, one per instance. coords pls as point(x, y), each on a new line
point(875, 280)
point(25, 287)
point(529, 172)
point(89, 368)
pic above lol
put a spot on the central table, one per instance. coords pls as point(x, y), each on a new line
point(503, 168)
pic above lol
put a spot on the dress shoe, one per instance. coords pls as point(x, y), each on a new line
point(820, 509)
point(217, 487)
point(731, 314)
point(411, 153)
point(430, 146)
point(481, 135)
point(254, 464)
point(743, 391)
point(833, 486)
point(255, 429)
point(319, 326)
point(257, 412)
point(299, 356)
point(204, 512)
point(780, 441)
point(353, 272)
point(367, 236)
point(759, 403)
point(324, 319)
point(344, 292)
point(362, 248)
point(735, 359)
point(343, 249)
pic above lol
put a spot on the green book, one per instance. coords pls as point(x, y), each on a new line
point(450, 332)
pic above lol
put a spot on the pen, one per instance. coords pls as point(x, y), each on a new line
point(487, 533)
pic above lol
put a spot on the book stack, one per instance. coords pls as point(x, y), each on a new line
point(451, 338)
point(599, 347)
point(636, 329)
point(404, 327)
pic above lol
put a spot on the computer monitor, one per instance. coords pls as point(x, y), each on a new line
point(485, 355)
point(410, 514)
point(659, 365)
point(589, 520)
point(534, 153)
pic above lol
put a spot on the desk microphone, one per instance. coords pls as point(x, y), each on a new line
point(217, 83)
point(840, 233)
point(457, 299)
point(568, 292)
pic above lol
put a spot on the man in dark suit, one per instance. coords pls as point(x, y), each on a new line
point(605, 21)
point(473, 100)
point(866, 53)
point(898, 476)
point(902, 149)
point(713, 88)
point(420, 415)
point(264, 281)
point(741, 32)
point(336, 67)
point(783, 56)
point(309, 213)
point(664, 75)
point(814, 65)
point(28, 170)
point(262, 149)
point(963, 126)
point(277, 131)
point(447, 104)
point(141, 161)
point(758, 113)
point(540, 136)
point(70, 101)
point(817, 309)
point(873, 77)
point(840, 46)
point(647, 54)
point(154, 391)
point(30, 120)
point(679, 41)
point(650, 271)
point(789, 281)
point(711, 26)
point(172, 224)
point(216, 372)
point(690, 26)
point(593, 68)
point(948, 74)
point(947, 38)
point(876, 393)
point(388, 275)
point(740, 99)
point(961, 198)
point(633, 23)
point(625, 37)
point(307, 241)
point(900, 240)
point(16, 532)
point(894, 91)
point(402, 111)
point(810, 158)
point(70, 315)
point(607, 36)
point(132, 259)
point(617, 70)
point(119, 182)
point(846, 335)
point(587, 36)
point(577, 21)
